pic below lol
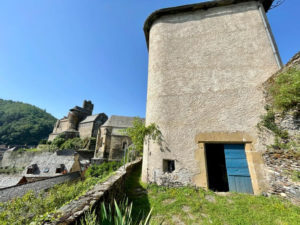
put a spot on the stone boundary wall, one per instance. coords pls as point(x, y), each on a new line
point(20, 190)
point(107, 191)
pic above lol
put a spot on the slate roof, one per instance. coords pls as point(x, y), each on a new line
point(119, 121)
point(48, 162)
point(9, 180)
point(193, 7)
point(118, 132)
point(89, 119)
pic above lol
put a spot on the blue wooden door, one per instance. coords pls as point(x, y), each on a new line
point(237, 168)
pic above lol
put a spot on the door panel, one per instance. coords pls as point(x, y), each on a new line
point(237, 168)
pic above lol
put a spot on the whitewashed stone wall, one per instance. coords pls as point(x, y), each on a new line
point(206, 68)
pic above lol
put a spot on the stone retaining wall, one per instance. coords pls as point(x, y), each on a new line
point(111, 189)
point(20, 190)
point(281, 163)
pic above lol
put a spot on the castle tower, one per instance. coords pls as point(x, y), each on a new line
point(207, 63)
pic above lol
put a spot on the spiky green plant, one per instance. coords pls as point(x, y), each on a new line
point(121, 215)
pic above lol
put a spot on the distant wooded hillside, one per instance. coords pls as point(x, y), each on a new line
point(22, 123)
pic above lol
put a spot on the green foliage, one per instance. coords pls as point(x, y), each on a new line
point(73, 143)
point(61, 142)
point(10, 170)
point(281, 136)
point(103, 169)
point(280, 143)
point(189, 205)
point(268, 121)
point(30, 207)
point(58, 141)
point(121, 215)
point(30, 150)
point(43, 141)
point(22, 123)
point(139, 131)
point(46, 148)
point(296, 176)
point(286, 90)
point(35, 208)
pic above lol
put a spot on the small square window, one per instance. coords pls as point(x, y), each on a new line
point(168, 165)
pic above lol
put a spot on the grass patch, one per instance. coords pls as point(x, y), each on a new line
point(188, 205)
point(35, 208)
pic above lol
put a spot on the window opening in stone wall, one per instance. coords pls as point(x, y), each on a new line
point(60, 168)
point(216, 167)
point(32, 168)
point(101, 142)
point(124, 145)
point(168, 165)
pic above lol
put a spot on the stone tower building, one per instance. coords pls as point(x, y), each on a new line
point(79, 123)
point(207, 63)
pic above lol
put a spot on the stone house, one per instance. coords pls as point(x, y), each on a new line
point(49, 164)
point(207, 64)
point(79, 123)
point(90, 125)
point(111, 140)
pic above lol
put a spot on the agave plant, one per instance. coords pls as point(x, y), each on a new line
point(121, 215)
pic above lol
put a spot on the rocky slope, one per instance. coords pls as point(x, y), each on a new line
point(282, 158)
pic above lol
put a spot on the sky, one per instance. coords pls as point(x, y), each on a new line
point(56, 53)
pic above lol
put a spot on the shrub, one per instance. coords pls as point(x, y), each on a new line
point(139, 131)
point(103, 169)
point(268, 121)
point(58, 141)
point(286, 90)
point(43, 142)
point(74, 143)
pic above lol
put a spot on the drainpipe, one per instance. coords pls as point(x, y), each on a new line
point(270, 35)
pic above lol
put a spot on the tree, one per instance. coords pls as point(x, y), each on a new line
point(23, 124)
point(140, 131)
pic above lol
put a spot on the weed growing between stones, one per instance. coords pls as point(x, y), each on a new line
point(11, 170)
point(283, 92)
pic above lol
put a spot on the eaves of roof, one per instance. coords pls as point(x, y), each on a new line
point(193, 7)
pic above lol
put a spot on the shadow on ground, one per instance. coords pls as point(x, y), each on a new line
point(137, 194)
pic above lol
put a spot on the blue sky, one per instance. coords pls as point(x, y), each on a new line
point(56, 53)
